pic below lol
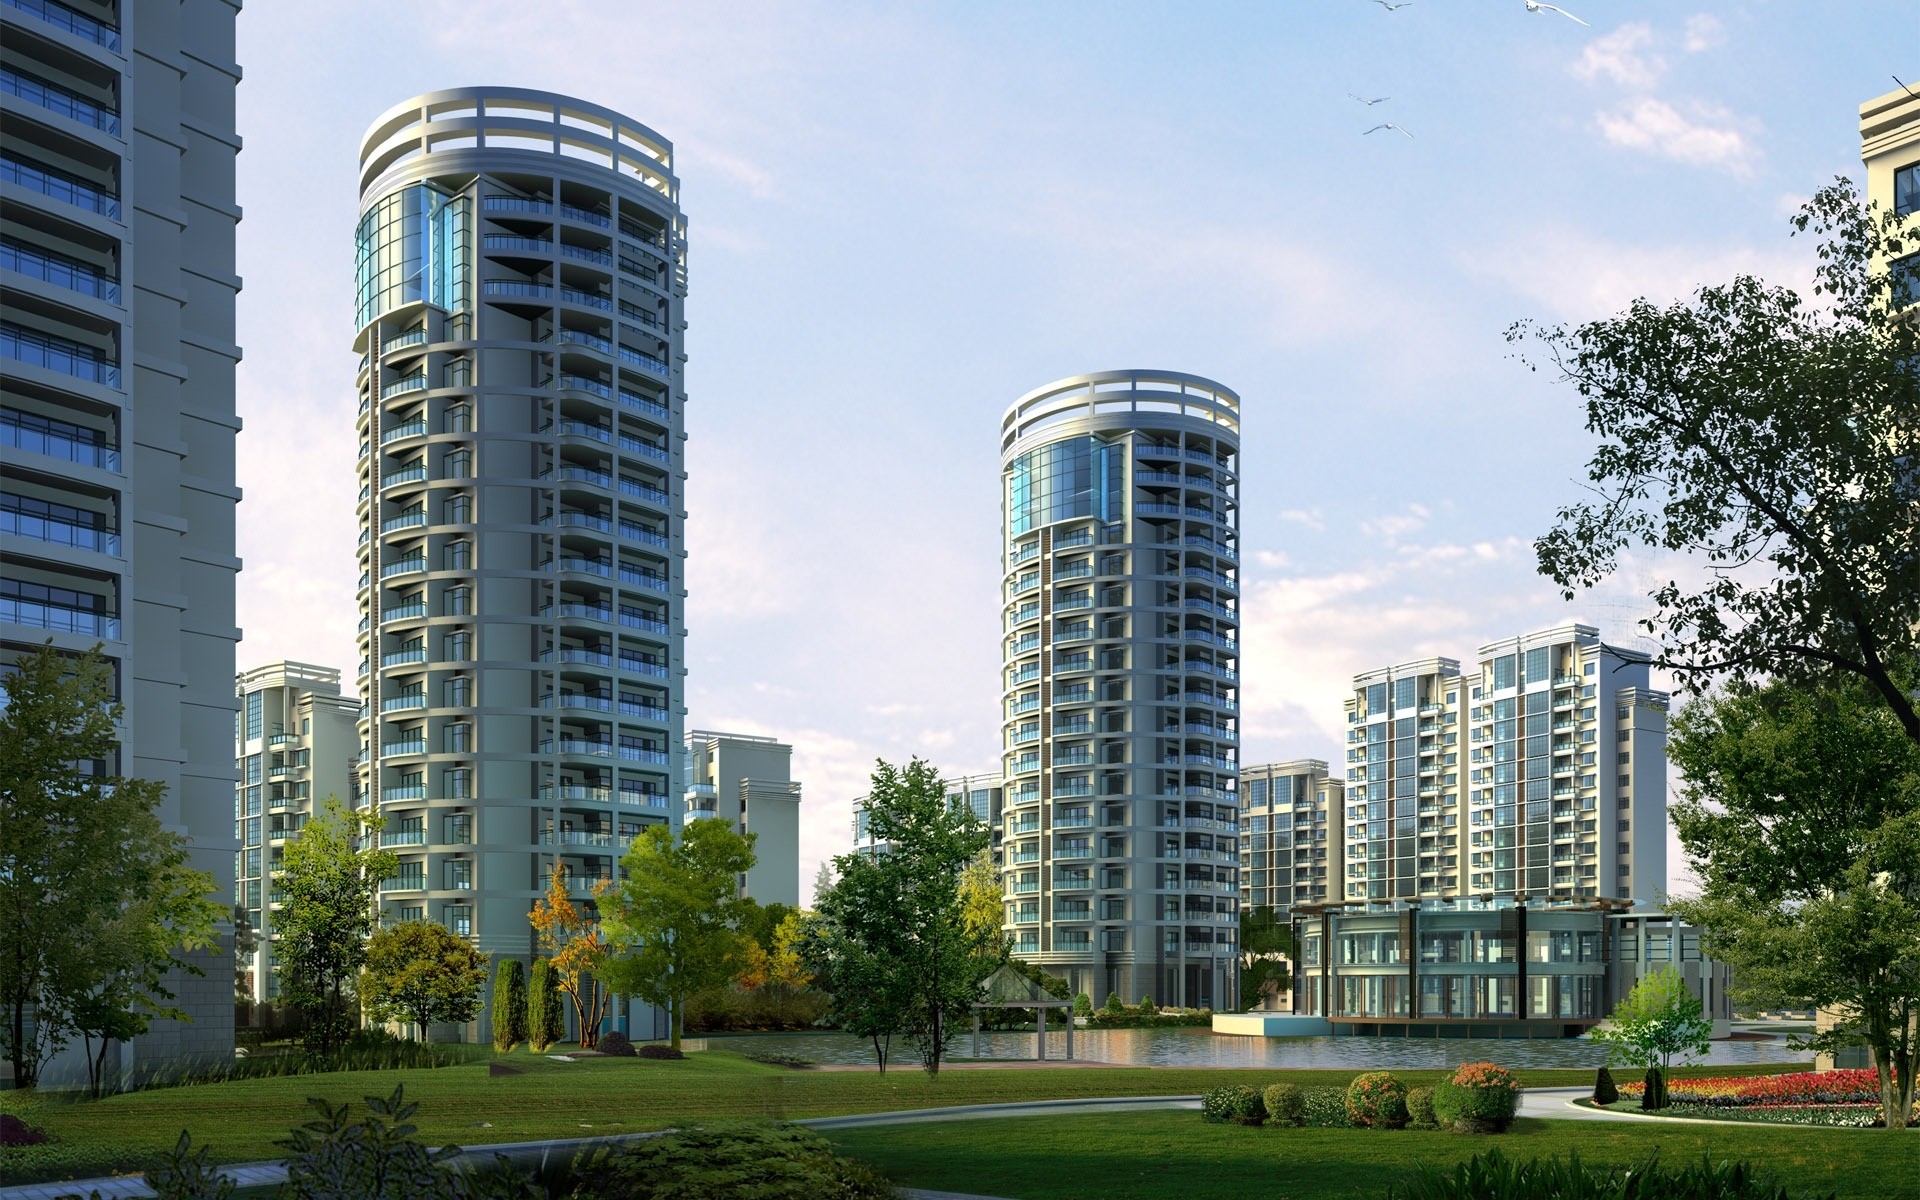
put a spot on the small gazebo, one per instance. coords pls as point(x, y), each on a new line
point(1008, 988)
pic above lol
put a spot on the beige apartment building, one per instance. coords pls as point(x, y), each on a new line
point(1291, 832)
point(748, 782)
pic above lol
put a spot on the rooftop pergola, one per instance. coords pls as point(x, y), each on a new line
point(1008, 988)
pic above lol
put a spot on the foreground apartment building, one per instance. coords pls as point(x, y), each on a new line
point(117, 413)
point(520, 265)
point(1120, 553)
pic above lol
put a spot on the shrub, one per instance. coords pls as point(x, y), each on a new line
point(15, 1132)
point(777, 1162)
point(546, 1022)
point(1284, 1103)
point(1249, 1108)
point(1493, 1176)
point(1653, 1089)
point(1420, 1109)
point(1147, 1007)
point(509, 1004)
point(1324, 1108)
point(1114, 1004)
point(1480, 1098)
point(1082, 1005)
point(659, 1050)
point(1603, 1090)
point(615, 1044)
point(1217, 1104)
point(1377, 1100)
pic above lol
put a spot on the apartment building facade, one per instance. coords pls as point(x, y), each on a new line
point(1291, 833)
point(295, 746)
point(117, 281)
point(521, 280)
point(747, 781)
point(1120, 553)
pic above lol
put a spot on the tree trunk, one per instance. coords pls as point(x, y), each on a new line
point(676, 1018)
point(25, 1068)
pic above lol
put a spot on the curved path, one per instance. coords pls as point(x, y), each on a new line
point(1556, 1103)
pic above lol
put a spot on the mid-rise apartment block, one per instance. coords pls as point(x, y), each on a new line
point(295, 747)
point(984, 794)
point(1404, 814)
point(117, 410)
point(521, 276)
point(1120, 529)
point(747, 781)
point(1291, 833)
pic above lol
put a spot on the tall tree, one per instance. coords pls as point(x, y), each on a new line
point(676, 916)
point(246, 943)
point(1800, 815)
point(1753, 426)
point(1266, 946)
point(97, 901)
point(330, 877)
point(576, 948)
point(982, 905)
point(421, 973)
point(546, 1014)
point(510, 1026)
point(897, 919)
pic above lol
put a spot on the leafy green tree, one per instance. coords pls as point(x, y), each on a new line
point(546, 1019)
point(1659, 1018)
point(509, 1004)
point(869, 998)
point(1800, 815)
point(982, 904)
point(246, 942)
point(420, 972)
point(899, 919)
point(1266, 946)
point(329, 877)
point(1752, 426)
point(675, 918)
point(97, 900)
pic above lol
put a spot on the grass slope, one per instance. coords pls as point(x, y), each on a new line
point(240, 1120)
point(1146, 1156)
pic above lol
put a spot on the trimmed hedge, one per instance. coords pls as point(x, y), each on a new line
point(1420, 1109)
point(1377, 1100)
point(1285, 1103)
point(1235, 1103)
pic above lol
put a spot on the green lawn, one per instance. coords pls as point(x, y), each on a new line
point(1145, 1156)
point(240, 1120)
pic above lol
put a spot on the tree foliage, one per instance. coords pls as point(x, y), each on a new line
point(329, 876)
point(420, 972)
point(983, 905)
point(676, 916)
point(576, 949)
point(1801, 816)
point(1266, 948)
point(1659, 1019)
point(509, 1004)
point(97, 898)
point(546, 1018)
point(897, 949)
point(1771, 437)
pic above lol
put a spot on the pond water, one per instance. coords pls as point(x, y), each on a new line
point(1204, 1048)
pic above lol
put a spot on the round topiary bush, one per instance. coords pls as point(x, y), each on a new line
point(1420, 1109)
point(1082, 1005)
point(1248, 1107)
point(1377, 1100)
point(1285, 1103)
point(1480, 1098)
point(1604, 1091)
point(615, 1044)
point(658, 1050)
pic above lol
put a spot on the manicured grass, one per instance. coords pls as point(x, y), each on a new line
point(240, 1120)
point(1145, 1156)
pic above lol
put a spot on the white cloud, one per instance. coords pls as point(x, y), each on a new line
point(1703, 31)
point(1574, 275)
point(1709, 139)
point(1272, 559)
point(1624, 56)
point(1394, 526)
point(1312, 518)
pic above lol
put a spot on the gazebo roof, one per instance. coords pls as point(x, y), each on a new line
point(1008, 988)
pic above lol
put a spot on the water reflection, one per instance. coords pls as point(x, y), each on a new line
point(1203, 1048)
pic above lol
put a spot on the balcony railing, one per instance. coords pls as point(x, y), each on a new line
point(70, 21)
point(57, 532)
point(60, 271)
point(57, 445)
point(59, 618)
point(58, 354)
point(56, 186)
point(60, 101)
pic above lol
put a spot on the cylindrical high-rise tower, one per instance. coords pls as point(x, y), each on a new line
point(1119, 510)
point(520, 270)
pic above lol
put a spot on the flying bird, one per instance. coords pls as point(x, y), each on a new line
point(1391, 7)
point(1367, 102)
point(1534, 6)
point(1388, 125)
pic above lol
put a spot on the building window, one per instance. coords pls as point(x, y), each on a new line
point(457, 829)
point(459, 646)
point(1906, 190)
point(458, 738)
point(459, 463)
point(459, 874)
point(459, 510)
point(456, 783)
point(460, 418)
point(458, 692)
point(460, 919)
point(254, 708)
point(458, 602)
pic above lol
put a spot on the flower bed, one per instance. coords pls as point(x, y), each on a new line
point(1799, 1090)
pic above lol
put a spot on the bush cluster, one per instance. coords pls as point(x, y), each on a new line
point(1493, 1176)
point(1147, 1015)
point(658, 1050)
point(1240, 1105)
point(614, 1044)
point(1480, 1098)
point(1285, 1103)
point(1420, 1109)
point(1376, 1100)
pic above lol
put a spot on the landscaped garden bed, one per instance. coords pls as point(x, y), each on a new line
point(1843, 1098)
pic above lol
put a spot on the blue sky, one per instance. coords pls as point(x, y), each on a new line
point(904, 216)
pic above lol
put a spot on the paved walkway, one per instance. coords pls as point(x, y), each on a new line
point(1556, 1103)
